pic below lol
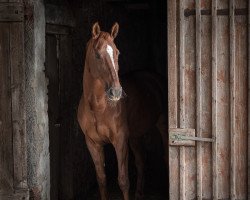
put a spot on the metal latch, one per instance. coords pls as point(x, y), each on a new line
point(57, 125)
point(185, 137)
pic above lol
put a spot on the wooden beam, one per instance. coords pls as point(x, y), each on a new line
point(214, 99)
point(58, 29)
point(173, 111)
point(11, 12)
point(241, 11)
point(232, 98)
point(182, 98)
point(198, 99)
point(18, 116)
point(172, 66)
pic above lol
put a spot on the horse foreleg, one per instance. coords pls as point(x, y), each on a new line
point(137, 149)
point(121, 149)
point(97, 155)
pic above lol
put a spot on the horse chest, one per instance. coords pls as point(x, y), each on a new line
point(101, 127)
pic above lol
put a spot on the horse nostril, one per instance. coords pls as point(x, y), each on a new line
point(119, 92)
point(115, 93)
point(112, 92)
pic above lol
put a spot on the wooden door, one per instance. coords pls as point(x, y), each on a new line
point(13, 156)
point(58, 72)
point(208, 72)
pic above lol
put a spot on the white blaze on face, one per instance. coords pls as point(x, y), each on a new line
point(111, 55)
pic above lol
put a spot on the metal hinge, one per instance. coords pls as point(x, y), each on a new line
point(185, 137)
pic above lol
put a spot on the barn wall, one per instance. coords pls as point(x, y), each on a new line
point(208, 92)
point(36, 100)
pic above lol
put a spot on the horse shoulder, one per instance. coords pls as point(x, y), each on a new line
point(82, 115)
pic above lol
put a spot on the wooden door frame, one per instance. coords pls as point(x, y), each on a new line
point(226, 136)
point(12, 14)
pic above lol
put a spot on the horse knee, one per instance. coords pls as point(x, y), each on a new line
point(123, 182)
point(101, 180)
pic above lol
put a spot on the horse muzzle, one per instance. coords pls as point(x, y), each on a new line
point(114, 93)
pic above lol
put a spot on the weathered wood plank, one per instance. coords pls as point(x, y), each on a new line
point(18, 121)
point(214, 99)
point(223, 105)
point(241, 107)
point(198, 99)
point(182, 173)
point(6, 152)
point(182, 98)
point(239, 11)
point(232, 99)
point(11, 12)
point(242, 4)
point(174, 170)
point(190, 102)
point(172, 66)
point(20, 194)
point(206, 95)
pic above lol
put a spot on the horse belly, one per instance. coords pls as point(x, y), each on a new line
point(144, 104)
point(142, 119)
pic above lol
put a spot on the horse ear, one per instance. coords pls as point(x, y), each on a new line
point(96, 30)
point(114, 30)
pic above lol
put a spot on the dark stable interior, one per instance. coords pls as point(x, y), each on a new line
point(142, 41)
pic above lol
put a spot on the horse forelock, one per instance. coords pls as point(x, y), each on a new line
point(101, 40)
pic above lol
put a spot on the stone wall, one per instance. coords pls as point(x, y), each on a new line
point(36, 100)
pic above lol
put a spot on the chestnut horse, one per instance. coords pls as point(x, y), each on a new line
point(106, 117)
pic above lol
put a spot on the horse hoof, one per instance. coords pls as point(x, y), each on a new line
point(138, 196)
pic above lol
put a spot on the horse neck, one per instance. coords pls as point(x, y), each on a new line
point(92, 86)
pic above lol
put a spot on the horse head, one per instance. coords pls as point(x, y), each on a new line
point(102, 59)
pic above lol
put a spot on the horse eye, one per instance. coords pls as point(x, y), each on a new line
point(97, 55)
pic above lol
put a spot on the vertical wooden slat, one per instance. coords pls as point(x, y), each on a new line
point(232, 99)
point(214, 98)
point(17, 86)
point(198, 99)
point(172, 65)
point(182, 97)
point(241, 92)
point(173, 97)
point(6, 151)
point(206, 96)
point(182, 173)
point(248, 100)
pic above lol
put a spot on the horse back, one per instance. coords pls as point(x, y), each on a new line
point(144, 102)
